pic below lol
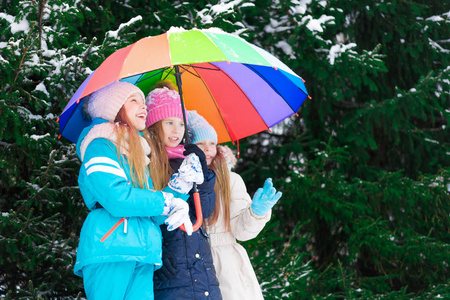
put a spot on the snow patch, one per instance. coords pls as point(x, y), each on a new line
point(23, 25)
point(336, 50)
point(115, 33)
point(287, 49)
point(316, 25)
point(41, 88)
point(38, 137)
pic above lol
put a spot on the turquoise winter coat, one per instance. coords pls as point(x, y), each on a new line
point(123, 224)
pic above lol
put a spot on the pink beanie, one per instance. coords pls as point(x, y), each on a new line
point(107, 102)
point(162, 103)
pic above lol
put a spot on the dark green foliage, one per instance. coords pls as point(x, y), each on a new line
point(42, 65)
point(363, 168)
point(353, 167)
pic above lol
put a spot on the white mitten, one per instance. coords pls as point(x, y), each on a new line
point(189, 172)
point(177, 212)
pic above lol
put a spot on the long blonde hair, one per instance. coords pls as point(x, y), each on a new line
point(160, 169)
point(223, 191)
point(127, 135)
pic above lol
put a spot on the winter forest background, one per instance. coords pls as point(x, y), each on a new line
point(364, 168)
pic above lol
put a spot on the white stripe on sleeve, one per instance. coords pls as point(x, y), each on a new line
point(101, 160)
point(106, 169)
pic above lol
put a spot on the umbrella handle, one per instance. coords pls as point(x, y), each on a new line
point(198, 211)
point(198, 206)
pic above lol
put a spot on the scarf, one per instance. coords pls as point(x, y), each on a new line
point(176, 152)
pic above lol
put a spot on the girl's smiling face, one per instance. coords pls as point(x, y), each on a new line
point(136, 111)
point(210, 148)
point(173, 129)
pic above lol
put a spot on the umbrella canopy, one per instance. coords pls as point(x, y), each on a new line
point(239, 88)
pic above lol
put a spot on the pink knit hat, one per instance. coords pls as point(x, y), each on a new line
point(162, 103)
point(107, 102)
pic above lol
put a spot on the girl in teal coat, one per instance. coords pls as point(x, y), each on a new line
point(120, 242)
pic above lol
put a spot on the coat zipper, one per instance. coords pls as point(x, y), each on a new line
point(125, 228)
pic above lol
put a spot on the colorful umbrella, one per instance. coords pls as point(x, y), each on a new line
point(238, 87)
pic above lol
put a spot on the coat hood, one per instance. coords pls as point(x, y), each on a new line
point(101, 128)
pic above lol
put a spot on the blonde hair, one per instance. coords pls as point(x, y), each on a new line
point(165, 83)
point(223, 191)
point(160, 169)
point(127, 135)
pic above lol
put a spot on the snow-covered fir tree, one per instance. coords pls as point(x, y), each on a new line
point(363, 167)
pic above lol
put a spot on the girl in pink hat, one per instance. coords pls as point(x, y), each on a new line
point(188, 271)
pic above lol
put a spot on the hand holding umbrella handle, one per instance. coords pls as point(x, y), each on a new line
point(198, 211)
point(198, 206)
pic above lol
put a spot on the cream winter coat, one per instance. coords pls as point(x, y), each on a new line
point(237, 279)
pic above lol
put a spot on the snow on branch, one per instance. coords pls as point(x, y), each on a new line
point(115, 33)
point(22, 25)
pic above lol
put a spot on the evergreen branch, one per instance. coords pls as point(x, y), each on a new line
point(51, 160)
point(25, 50)
point(28, 94)
point(348, 104)
point(88, 50)
point(421, 130)
point(41, 13)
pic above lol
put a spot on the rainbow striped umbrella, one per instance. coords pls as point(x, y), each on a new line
point(238, 87)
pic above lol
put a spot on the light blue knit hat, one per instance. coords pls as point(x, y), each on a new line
point(200, 128)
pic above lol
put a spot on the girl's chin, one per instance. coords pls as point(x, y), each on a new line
point(139, 124)
point(172, 144)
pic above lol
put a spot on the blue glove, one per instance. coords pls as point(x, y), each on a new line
point(265, 198)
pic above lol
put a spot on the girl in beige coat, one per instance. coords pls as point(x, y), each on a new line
point(236, 215)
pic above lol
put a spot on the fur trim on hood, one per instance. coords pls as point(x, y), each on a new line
point(107, 131)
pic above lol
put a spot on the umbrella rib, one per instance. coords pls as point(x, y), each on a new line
point(215, 68)
point(144, 73)
point(197, 67)
point(187, 70)
point(165, 77)
point(215, 103)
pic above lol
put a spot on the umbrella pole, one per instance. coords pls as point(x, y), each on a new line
point(198, 206)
